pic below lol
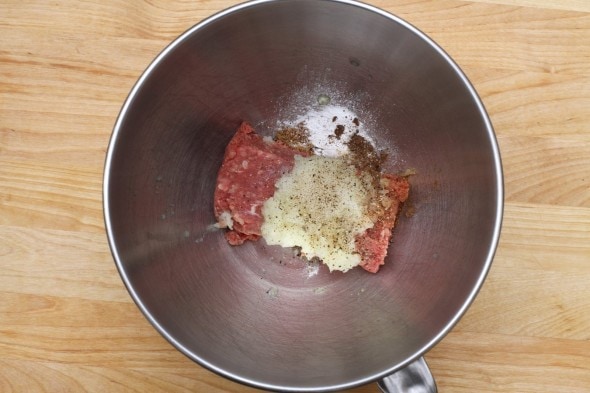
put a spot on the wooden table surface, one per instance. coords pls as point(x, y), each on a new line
point(67, 324)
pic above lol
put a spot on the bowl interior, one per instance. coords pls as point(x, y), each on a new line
point(257, 313)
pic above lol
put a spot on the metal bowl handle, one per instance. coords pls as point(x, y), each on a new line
point(414, 378)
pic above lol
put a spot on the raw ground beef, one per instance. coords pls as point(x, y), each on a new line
point(251, 167)
point(373, 244)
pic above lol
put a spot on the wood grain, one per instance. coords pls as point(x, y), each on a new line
point(67, 324)
point(570, 5)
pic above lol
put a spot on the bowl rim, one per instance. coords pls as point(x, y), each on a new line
point(388, 370)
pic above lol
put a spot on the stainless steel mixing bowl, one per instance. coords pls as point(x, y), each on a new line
point(255, 313)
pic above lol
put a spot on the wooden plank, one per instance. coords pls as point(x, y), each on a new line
point(535, 104)
point(51, 197)
point(495, 363)
point(568, 5)
point(37, 376)
point(525, 293)
point(535, 169)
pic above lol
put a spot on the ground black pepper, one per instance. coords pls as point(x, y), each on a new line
point(295, 137)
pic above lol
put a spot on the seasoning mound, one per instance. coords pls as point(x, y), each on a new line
point(295, 137)
point(338, 208)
